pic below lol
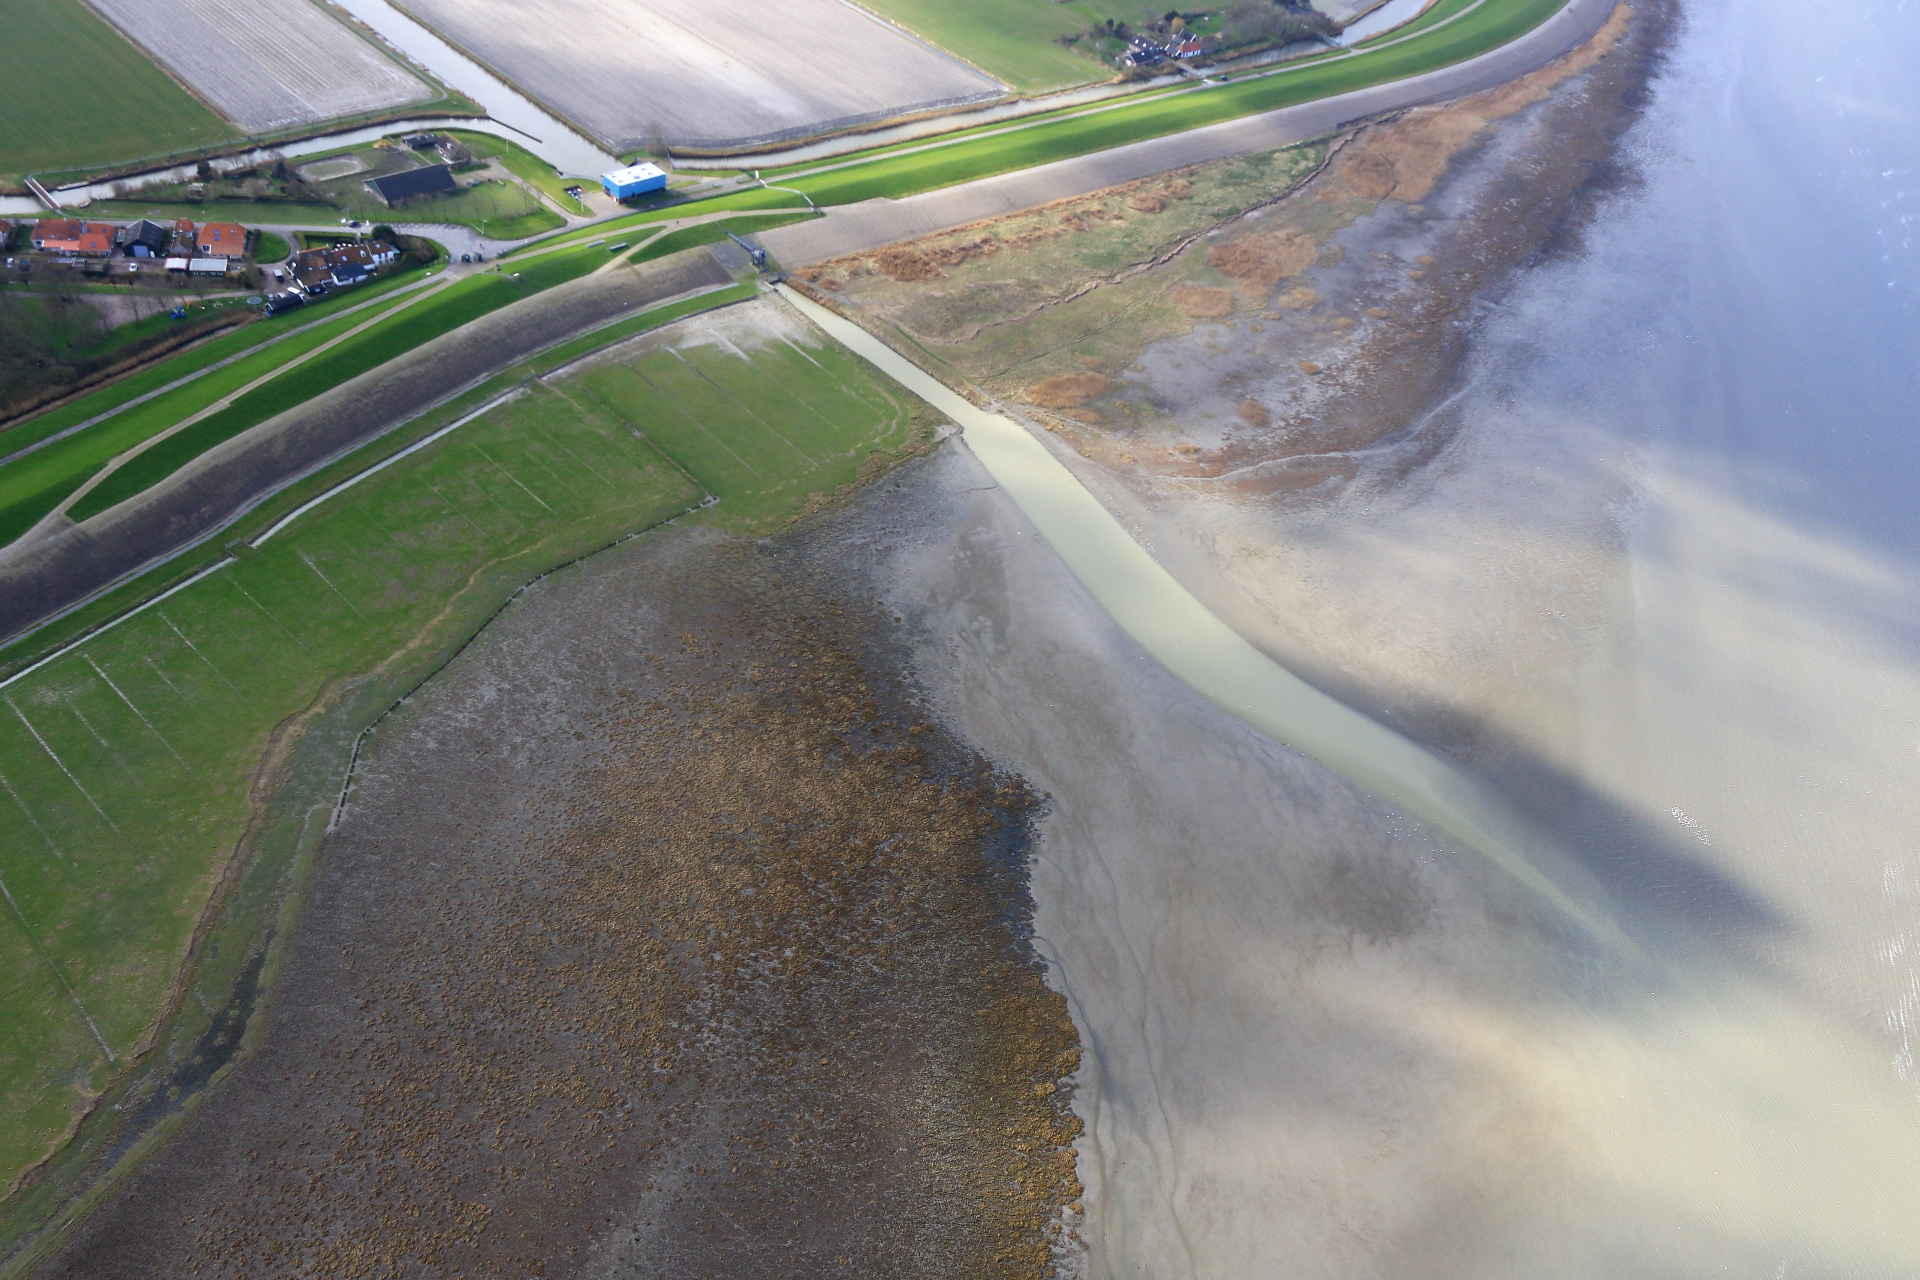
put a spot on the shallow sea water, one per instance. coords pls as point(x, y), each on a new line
point(1730, 367)
point(1663, 579)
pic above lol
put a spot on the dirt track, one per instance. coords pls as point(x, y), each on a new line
point(54, 572)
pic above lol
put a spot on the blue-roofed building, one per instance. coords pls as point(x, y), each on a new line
point(634, 180)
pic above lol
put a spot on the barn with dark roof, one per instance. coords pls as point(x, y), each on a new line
point(398, 188)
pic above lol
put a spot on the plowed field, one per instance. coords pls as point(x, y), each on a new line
point(267, 65)
point(705, 72)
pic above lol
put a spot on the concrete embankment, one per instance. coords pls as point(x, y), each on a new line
point(57, 571)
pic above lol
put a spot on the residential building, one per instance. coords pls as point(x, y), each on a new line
point(342, 265)
point(70, 235)
point(145, 239)
point(221, 240)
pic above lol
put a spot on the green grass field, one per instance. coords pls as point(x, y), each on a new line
point(22, 434)
point(124, 764)
point(1014, 41)
point(494, 208)
point(34, 485)
point(712, 233)
point(1495, 23)
point(75, 93)
point(408, 328)
point(522, 164)
point(271, 248)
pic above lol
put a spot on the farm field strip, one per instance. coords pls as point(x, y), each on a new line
point(392, 335)
point(1483, 26)
point(154, 724)
point(1012, 40)
point(178, 370)
point(1444, 12)
point(326, 340)
point(128, 108)
point(34, 484)
point(738, 71)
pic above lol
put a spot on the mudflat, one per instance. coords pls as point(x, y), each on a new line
point(706, 73)
point(664, 933)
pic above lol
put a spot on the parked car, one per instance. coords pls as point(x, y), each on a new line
point(466, 257)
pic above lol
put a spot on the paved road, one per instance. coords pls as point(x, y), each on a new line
point(856, 228)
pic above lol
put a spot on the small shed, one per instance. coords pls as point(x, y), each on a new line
point(634, 180)
point(207, 267)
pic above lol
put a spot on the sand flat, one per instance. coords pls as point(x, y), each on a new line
point(267, 65)
point(711, 73)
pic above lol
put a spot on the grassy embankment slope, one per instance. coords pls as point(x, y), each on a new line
point(127, 761)
point(909, 168)
point(1492, 24)
point(32, 485)
point(36, 484)
point(522, 164)
point(74, 93)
